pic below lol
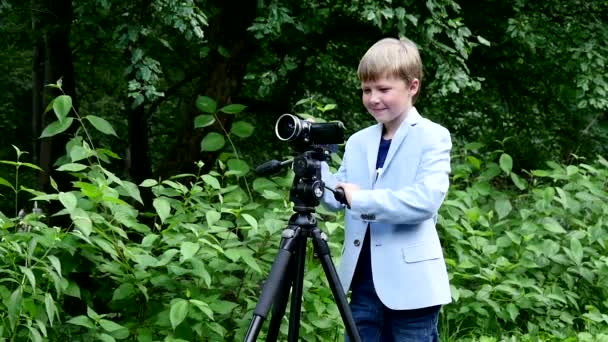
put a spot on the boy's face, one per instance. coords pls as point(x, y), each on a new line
point(388, 99)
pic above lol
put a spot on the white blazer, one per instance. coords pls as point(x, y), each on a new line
point(400, 203)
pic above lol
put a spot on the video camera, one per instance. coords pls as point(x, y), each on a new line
point(293, 129)
point(311, 140)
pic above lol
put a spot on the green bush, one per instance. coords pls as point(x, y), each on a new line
point(526, 254)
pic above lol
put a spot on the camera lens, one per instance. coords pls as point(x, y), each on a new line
point(288, 127)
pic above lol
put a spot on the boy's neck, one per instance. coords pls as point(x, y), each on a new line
point(390, 128)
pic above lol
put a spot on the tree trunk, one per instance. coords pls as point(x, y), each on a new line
point(52, 20)
point(224, 78)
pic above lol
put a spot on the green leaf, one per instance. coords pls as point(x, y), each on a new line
point(166, 257)
point(72, 290)
point(199, 269)
point(72, 167)
point(329, 106)
point(252, 262)
point(149, 240)
point(109, 325)
point(206, 104)
point(519, 183)
point(483, 41)
point(178, 313)
point(42, 327)
point(503, 207)
point(237, 167)
point(83, 321)
point(30, 276)
point(476, 163)
point(506, 163)
point(577, 250)
point(51, 308)
point(212, 181)
point(68, 200)
point(56, 127)
point(92, 314)
point(213, 141)
point(203, 307)
point(513, 311)
point(222, 307)
point(553, 226)
point(251, 220)
point(233, 108)
point(163, 208)
point(148, 183)
point(101, 124)
point(56, 263)
point(103, 337)
point(242, 129)
point(212, 217)
point(260, 184)
point(14, 305)
point(61, 106)
point(204, 121)
point(124, 291)
point(132, 190)
point(36, 337)
point(31, 166)
point(189, 249)
point(6, 183)
point(271, 195)
point(82, 221)
point(78, 152)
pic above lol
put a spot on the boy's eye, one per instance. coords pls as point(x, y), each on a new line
point(384, 90)
point(367, 90)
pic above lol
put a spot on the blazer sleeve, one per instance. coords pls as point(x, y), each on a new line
point(419, 201)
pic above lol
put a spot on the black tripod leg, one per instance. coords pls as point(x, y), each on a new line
point(276, 280)
point(322, 249)
point(296, 294)
point(280, 305)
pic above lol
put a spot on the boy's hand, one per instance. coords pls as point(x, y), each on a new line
point(349, 189)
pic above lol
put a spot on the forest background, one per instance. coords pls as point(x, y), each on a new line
point(130, 211)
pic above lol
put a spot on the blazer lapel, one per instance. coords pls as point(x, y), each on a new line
point(411, 120)
point(372, 151)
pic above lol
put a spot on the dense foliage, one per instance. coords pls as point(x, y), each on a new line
point(526, 260)
point(129, 210)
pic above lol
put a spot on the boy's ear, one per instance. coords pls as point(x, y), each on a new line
point(414, 86)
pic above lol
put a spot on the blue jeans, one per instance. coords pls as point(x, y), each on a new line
point(377, 323)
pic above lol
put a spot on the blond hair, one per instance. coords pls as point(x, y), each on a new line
point(390, 57)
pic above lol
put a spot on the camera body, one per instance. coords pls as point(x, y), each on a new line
point(302, 132)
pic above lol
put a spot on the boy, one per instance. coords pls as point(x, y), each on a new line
point(395, 176)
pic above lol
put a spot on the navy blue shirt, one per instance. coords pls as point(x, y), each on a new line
point(363, 271)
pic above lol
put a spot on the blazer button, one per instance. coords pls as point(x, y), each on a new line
point(357, 242)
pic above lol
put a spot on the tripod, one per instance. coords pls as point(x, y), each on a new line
point(287, 271)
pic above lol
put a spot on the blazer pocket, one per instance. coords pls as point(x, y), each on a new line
point(422, 252)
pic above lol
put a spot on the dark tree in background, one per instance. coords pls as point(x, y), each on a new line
point(524, 77)
point(52, 61)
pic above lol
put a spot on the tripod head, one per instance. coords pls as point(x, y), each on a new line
point(309, 138)
point(307, 187)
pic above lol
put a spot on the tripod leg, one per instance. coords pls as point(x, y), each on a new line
point(320, 243)
point(296, 294)
point(275, 281)
point(278, 308)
